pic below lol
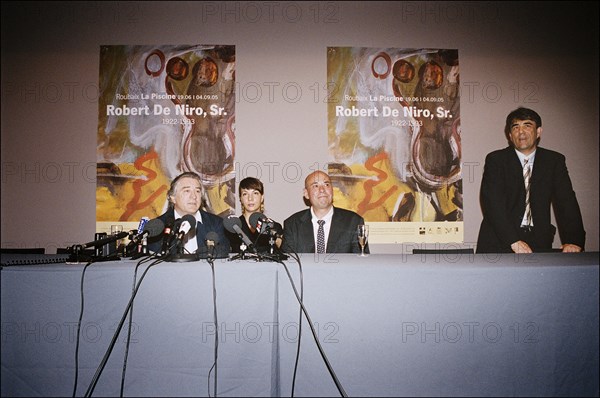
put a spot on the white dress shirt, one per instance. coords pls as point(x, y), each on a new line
point(190, 243)
point(326, 226)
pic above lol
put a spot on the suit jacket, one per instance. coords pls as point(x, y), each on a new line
point(298, 235)
point(502, 199)
point(210, 222)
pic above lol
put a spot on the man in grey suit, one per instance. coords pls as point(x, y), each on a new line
point(509, 224)
point(338, 226)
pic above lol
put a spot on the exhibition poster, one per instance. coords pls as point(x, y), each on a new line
point(164, 110)
point(394, 137)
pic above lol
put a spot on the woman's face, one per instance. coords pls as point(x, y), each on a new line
point(251, 200)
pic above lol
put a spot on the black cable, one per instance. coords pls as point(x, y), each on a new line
point(277, 259)
point(100, 369)
point(260, 233)
point(314, 333)
point(143, 260)
point(214, 366)
point(297, 258)
point(79, 329)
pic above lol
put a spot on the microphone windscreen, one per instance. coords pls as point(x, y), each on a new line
point(230, 221)
point(190, 219)
point(255, 218)
point(278, 228)
point(213, 236)
point(154, 227)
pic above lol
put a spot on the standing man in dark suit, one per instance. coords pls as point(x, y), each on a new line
point(509, 225)
point(301, 230)
point(185, 197)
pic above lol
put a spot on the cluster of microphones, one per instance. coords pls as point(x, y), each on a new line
point(264, 226)
point(172, 233)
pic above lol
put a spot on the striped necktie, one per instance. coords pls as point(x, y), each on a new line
point(527, 178)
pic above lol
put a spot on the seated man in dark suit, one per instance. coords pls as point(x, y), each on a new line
point(520, 183)
point(185, 197)
point(338, 226)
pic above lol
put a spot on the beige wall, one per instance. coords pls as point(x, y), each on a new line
point(540, 55)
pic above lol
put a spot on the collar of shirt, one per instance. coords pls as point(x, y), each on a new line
point(197, 215)
point(327, 217)
point(530, 158)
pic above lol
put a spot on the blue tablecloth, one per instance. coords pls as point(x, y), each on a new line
point(389, 325)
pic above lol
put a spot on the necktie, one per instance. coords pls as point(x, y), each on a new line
point(527, 178)
point(321, 237)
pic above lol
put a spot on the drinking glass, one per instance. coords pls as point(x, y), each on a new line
point(115, 229)
point(118, 247)
point(363, 236)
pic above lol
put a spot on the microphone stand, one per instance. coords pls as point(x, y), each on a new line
point(181, 256)
point(141, 249)
point(274, 253)
point(242, 255)
point(271, 244)
point(77, 255)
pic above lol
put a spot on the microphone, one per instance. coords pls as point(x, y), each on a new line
point(185, 224)
point(104, 241)
point(167, 236)
point(234, 225)
point(212, 239)
point(151, 229)
point(181, 227)
point(263, 224)
point(139, 242)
